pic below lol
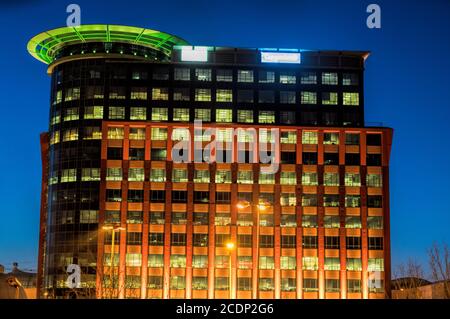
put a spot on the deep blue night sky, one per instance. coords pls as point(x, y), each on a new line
point(407, 87)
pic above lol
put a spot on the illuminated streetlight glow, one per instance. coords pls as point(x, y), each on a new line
point(230, 245)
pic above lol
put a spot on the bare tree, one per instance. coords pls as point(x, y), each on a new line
point(408, 278)
point(440, 265)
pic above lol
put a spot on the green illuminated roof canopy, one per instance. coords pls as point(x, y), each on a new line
point(45, 45)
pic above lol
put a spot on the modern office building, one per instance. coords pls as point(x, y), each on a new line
point(118, 202)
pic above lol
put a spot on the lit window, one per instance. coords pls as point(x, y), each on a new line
point(244, 136)
point(157, 175)
point(310, 263)
point(245, 76)
point(266, 136)
point(266, 117)
point(245, 116)
point(115, 133)
point(93, 112)
point(88, 216)
point(354, 264)
point(137, 133)
point(203, 115)
point(69, 175)
point(353, 201)
point(72, 94)
point(161, 94)
point(352, 179)
point(308, 78)
point(159, 114)
point(331, 138)
point(71, 114)
point(201, 176)
point(375, 264)
point(332, 263)
point(159, 134)
point(351, 98)
point(288, 78)
point(287, 97)
point(57, 97)
point(329, 78)
point(309, 137)
point(90, 174)
point(116, 113)
point(133, 259)
point(224, 95)
point(223, 176)
point(245, 177)
point(352, 222)
point(374, 180)
point(181, 94)
point(182, 74)
point(224, 135)
point(180, 134)
point(224, 75)
point(266, 77)
point(288, 178)
point(308, 97)
point(203, 74)
point(375, 222)
point(56, 118)
point(181, 114)
point(138, 113)
point(266, 178)
point(70, 135)
point(138, 93)
point(203, 95)
point(288, 199)
point(224, 115)
point(114, 174)
point(309, 178)
point(178, 261)
point(136, 174)
point(54, 137)
point(288, 137)
point(329, 98)
point(266, 262)
point(331, 179)
point(179, 175)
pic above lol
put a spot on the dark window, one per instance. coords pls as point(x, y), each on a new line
point(331, 158)
point(157, 196)
point(201, 219)
point(330, 200)
point(332, 285)
point(134, 217)
point(222, 239)
point(309, 118)
point(332, 242)
point(201, 197)
point(375, 201)
point(155, 282)
point(158, 154)
point(352, 159)
point(223, 197)
point(244, 196)
point(156, 218)
point(113, 195)
point(353, 242)
point(373, 139)
point(179, 196)
point(287, 117)
point(244, 240)
point(309, 158)
point(136, 154)
point(156, 239)
point(266, 241)
point(351, 139)
point(309, 241)
point(354, 285)
point(200, 240)
point(288, 157)
point(114, 153)
point(376, 243)
point(373, 160)
point(135, 195)
point(179, 218)
point(244, 284)
point(288, 241)
point(178, 239)
point(134, 238)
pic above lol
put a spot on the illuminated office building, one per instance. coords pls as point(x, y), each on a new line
point(123, 97)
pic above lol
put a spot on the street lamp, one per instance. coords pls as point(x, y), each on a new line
point(262, 205)
point(230, 247)
point(113, 230)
